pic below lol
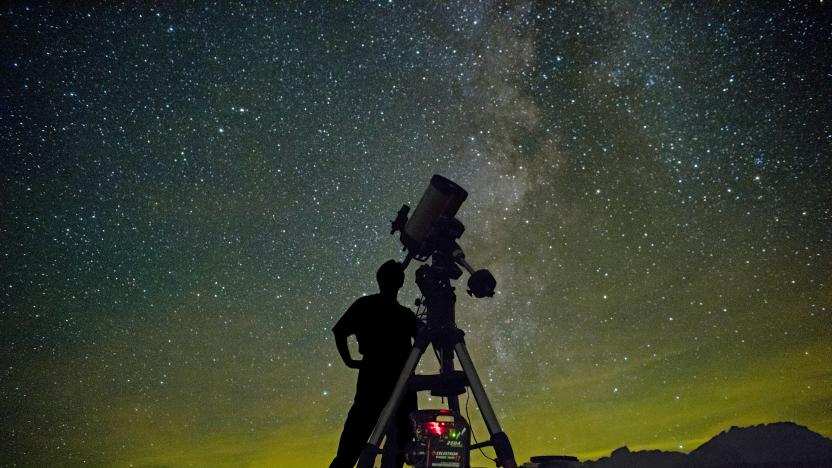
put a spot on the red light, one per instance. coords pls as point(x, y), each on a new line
point(435, 428)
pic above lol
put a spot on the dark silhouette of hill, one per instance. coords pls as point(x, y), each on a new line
point(781, 444)
point(623, 457)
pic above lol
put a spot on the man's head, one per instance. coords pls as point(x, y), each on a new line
point(390, 276)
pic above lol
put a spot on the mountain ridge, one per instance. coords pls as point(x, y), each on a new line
point(779, 444)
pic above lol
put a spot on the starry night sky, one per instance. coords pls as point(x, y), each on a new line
point(192, 196)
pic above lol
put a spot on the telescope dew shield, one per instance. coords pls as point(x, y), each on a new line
point(443, 197)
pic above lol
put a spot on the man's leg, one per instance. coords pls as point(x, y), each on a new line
point(402, 426)
point(360, 422)
point(389, 455)
point(399, 434)
point(368, 403)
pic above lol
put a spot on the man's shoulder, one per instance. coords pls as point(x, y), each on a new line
point(378, 301)
point(368, 299)
point(366, 303)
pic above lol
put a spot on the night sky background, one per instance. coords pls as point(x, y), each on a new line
point(193, 195)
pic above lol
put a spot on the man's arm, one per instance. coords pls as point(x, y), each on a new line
point(344, 351)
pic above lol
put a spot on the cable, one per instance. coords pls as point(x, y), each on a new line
point(476, 442)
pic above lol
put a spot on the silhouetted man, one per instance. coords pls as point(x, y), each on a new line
point(384, 329)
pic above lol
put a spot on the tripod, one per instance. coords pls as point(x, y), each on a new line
point(434, 282)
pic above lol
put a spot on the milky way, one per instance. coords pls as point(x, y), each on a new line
point(192, 196)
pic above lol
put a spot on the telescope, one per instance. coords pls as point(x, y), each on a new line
point(431, 233)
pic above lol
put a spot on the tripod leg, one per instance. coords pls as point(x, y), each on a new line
point(502, 446)
point(368, 454)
